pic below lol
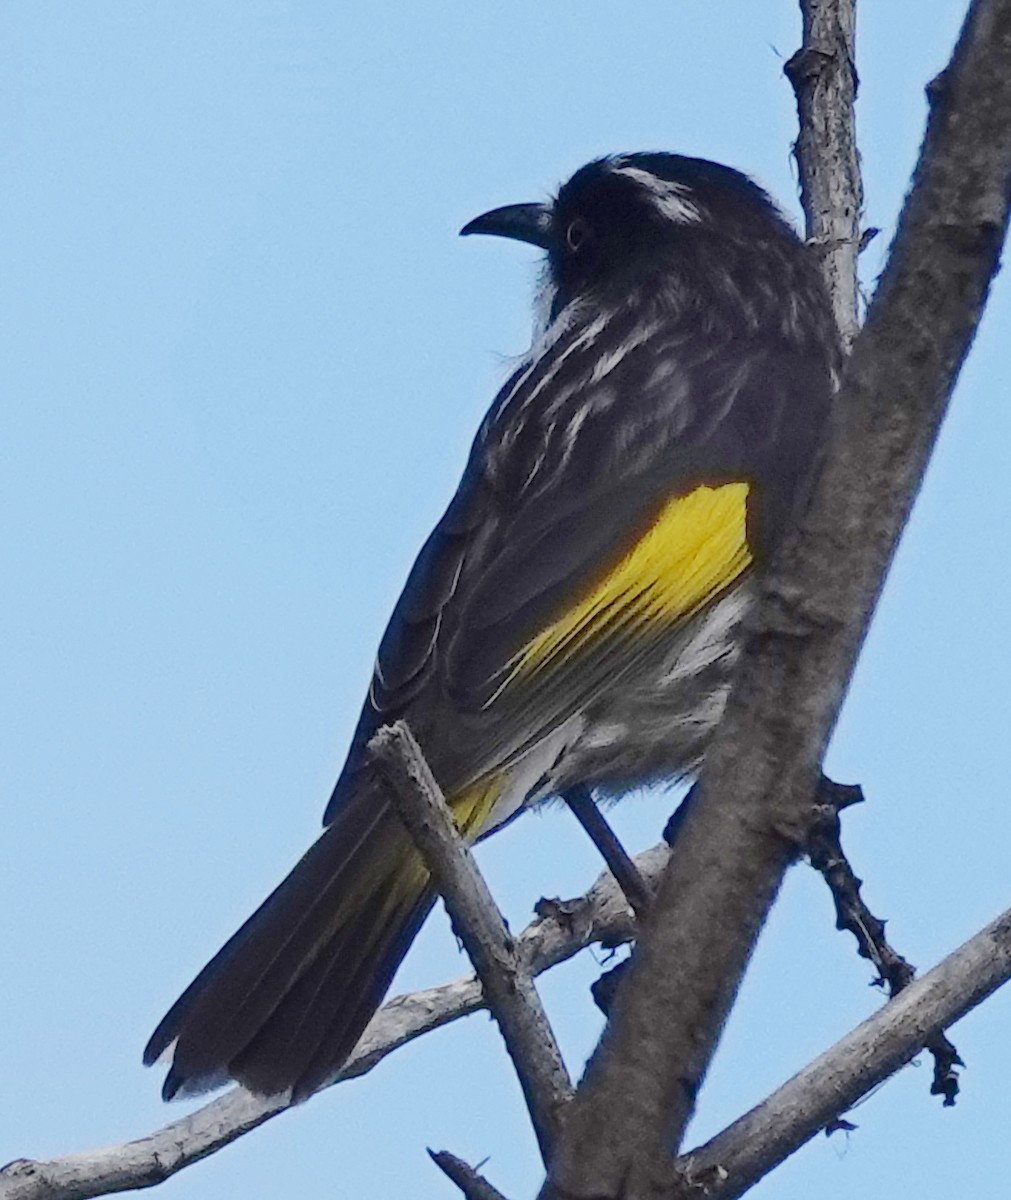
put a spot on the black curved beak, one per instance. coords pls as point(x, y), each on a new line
point(523, 222)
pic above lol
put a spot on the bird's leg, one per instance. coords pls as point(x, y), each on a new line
point(586, 812)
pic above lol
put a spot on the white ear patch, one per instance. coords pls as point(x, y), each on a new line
point(670, 199)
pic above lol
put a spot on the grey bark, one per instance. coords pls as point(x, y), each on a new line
point(505, 978)
point(824, 77)
point(734, 1160)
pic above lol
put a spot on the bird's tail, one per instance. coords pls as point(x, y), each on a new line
point(283, 1003)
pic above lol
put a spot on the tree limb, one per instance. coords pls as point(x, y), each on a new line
point(824, 77)
point(826, 854)
point(802, 643)
point(473, 1185)
point(733, 1161)
point(507, 982)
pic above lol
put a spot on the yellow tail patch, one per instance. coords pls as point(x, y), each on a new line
point(694, 549)
point(473, 807)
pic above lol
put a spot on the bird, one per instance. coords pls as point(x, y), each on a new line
point(572, 622)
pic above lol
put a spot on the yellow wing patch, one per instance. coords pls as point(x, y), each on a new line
point(472, 807)
point(694, 549)
point(402, 874)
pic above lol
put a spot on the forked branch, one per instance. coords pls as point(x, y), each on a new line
point(762, 768)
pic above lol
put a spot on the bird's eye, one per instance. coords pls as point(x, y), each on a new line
point(577, 234)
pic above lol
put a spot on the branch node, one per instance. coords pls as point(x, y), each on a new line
point(604, 989)
point(701, 1180)
point(937, 89)
point(807, 63)
point(868, 236)
point(839, 1125)
point(466, 1177)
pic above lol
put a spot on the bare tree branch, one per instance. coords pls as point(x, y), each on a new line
point(142, 1163)
point(473, 1185)
point(761, 770)
point(752, 1146)
point(507, 981)
point(561, 930)
point(824, 78)
point(827, 856)
point(734, 1159)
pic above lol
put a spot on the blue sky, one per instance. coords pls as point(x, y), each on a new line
point(244, 356)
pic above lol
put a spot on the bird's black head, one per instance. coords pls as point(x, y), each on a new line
point(625, 219)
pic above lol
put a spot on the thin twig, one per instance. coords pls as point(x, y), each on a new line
point(895, 973)
point(586, 812)
point(473, 1185)
point(802, 643)
point(734, 1160)
point(824, 78)
point(506, 980)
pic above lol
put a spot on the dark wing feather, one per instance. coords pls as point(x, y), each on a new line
point(575, 458)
